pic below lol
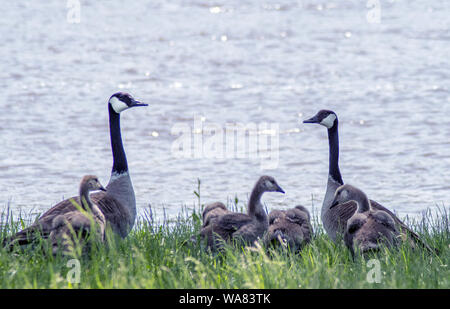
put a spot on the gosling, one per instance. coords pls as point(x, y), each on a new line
point(289, 228)
point(76, 225)
point(368, 229)
point(239, 227)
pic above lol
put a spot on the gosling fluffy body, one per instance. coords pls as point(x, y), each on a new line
point(289, 228)
point(368, 229)
point(224, 225)
point(76, 226)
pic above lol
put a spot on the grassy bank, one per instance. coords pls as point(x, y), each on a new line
point(161, 256)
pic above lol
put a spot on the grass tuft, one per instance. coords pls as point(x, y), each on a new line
point(161, 255)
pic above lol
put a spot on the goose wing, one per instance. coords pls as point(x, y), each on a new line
point(212, 212)
point(403, 227)
point(233, 221)
point(224, 227)
point(342, 213)
point(383, 218)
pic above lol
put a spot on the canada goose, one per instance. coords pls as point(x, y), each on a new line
point(118, 203)
point(238, 226)
point(75, 222)
point(290, 228)
point(335, 219)
point(367, 228)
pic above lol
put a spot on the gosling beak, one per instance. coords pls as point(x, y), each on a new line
point(334, 203)
point(137, 103)
point(278, 189)
point(314, 119)
point(102, 188)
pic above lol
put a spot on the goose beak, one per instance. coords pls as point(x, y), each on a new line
point(278, 189)
point(334, 204)
point(314, 119)
point(137, 103)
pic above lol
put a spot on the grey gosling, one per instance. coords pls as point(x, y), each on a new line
point(289, 228)
point(71, 225)
point(335, 219)
point(212, 212)
point(118, 203)
point(368, 228)
point(240, 227)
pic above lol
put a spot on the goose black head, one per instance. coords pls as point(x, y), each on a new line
point(91, 183)
point(268, 184)
point(346, 193)
point(121, 101)
point(324, 117)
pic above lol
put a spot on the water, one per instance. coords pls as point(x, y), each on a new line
point(226, 61)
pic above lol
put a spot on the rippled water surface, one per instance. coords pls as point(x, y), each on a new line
point(227, 62)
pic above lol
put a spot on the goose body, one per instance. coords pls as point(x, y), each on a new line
point(90, 222)
point(118, 203)
point(368, 228)
point(291, 228)
point(227, 225)
point(212, 212)
point(335, 218)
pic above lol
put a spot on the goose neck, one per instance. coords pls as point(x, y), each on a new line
point(255, 208)
point(333, 140)
point(85, 198)
point(120, 164)
point(363, 204)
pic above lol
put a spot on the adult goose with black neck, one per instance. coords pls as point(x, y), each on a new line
point(247, 227)
point(118, 203)
point(335, 219)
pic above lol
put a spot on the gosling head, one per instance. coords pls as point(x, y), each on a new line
point(346, 193)
point(121, 101)
point(324, 117)
point(268, 184)
point(91, 183)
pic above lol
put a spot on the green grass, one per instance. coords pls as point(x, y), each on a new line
point(161, 256)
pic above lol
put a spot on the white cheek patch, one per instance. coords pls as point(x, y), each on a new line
point(344, 194)
point(328, 121)
point(118, 105)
